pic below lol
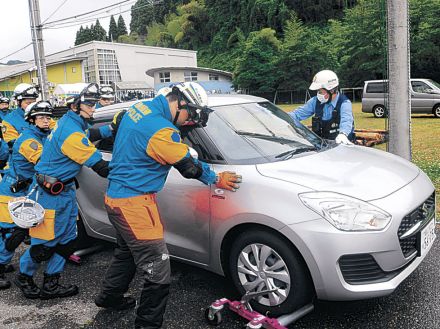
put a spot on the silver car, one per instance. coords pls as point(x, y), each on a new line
point(311, 218)
point(425, 97)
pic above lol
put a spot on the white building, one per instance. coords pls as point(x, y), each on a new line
point(215, 81)
point(108, 62)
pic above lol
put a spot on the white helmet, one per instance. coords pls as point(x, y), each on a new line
point(194, 93)
point(107, 92)
point(325, 79)
point(25, 90)
point(164, 91)
point(38, 108)
point(25, 212)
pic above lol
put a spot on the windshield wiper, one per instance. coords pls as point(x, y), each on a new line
point(290, 153)
point(267, 137)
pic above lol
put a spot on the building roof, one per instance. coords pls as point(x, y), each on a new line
point(8, 71)
point(151, 72)
point(94, 44)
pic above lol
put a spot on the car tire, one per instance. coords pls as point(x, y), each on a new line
point(436, 111)
point(290, 276)
point(379, 111)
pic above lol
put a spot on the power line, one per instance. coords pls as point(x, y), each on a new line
point(91, 19)
point(81, 22)
point(54, 12)
point(16, 51)
point(88, 13)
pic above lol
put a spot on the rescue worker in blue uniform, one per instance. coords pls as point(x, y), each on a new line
point(4, 107)
point(107, 97)
point(147, 145)
point(25, 154)
point(14, 123)
point(65, 151)
point(332, 112)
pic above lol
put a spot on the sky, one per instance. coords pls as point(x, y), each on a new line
point(15, 31)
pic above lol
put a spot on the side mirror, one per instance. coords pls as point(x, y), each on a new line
point(193, 153)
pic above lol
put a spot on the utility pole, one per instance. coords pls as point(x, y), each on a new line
point(37, 40)
point(399, 107)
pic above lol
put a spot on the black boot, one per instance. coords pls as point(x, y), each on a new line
point(116, 303)
point(52, 289)
point(27, 286)
point(4, 284)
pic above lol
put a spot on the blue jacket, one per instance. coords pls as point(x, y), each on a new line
point(3, 114)
point(147, 145)
point(26, 152)
point(67, 148)
point(308, 109)
point(13, 124)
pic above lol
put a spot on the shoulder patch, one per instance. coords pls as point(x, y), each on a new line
point(175, 137)
point(33, 145)
point(85, 141)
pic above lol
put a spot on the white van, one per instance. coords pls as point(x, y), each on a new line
point(425, 97)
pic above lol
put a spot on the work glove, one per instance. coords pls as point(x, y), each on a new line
point(101, 168)
point(117, 121)
point(228, 180)
point(342, 139)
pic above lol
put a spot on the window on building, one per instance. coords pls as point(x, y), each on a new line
point(190, 76)
point(73, 69)
point(108, 68)
point(165, 77)
point(213, 76)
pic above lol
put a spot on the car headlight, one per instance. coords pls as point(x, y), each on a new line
point(346, 213)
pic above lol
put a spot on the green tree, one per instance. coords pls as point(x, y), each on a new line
point(319, 11)
point(79, 36)
point(256, 69)
point(122, 28)
point(133, 38)
point(425, 38)
point(98, 32)
point(113, 30)
point(305, 50)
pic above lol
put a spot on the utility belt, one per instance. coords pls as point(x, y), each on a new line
point(53, 185)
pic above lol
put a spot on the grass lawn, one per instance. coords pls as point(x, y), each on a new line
point(425, 140)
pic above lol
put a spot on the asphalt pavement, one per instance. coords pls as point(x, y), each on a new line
point(415, 304)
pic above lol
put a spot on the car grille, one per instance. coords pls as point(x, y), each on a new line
point(363, 269)
point(423, 212)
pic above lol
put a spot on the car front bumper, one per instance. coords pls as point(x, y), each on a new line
point(324, 249)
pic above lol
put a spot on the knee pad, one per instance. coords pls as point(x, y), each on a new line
point(41, 253)
point(16, 238)
point(158, 270)
point(65, 250)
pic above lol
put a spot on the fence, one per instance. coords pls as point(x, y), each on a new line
point(302, 96)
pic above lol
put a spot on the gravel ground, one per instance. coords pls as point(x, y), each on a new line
point(415, 304)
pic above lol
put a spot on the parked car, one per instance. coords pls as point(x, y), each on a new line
point(425, 97)
point(312, 218)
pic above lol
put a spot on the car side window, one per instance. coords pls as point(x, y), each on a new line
point(196, 138)
point(420, 87)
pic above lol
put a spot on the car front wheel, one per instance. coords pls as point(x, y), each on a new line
point(436, 111)
point(262, 260)
point(379, 111)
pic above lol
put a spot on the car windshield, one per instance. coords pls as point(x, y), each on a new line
point(258, 132)
point(435, 83)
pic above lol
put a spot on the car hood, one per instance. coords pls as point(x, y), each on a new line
point(361, 172)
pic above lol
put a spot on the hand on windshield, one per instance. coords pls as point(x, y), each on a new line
point(228, 180)
point(342, 139)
